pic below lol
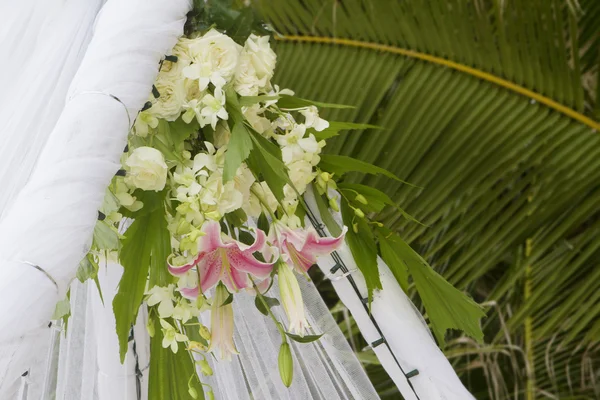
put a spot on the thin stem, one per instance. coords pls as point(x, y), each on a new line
point(264, 303)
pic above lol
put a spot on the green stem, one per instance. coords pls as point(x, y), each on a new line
point(264, 303)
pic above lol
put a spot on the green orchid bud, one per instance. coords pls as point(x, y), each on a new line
point(214, 215)
point(361, 199)
point(204, 332)
point(205, 368)
point(286, 364)
point(334, 205)
point(193, 392)
point(210, 395)
point(325, 176)
point(150, 327)
point(359, 213)
point(355, 227)
point(199, 303)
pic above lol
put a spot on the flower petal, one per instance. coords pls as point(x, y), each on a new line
point(244, 261)
point(236, 280)
point(211, 269)
point(319, 246)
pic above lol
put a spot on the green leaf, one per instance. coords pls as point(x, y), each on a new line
point(291, 102)
point(271, 302)
point(376, 199)
point(332, 226)
point(394, 262)
point(228, 300)
point(62, 309)
point(336, 127)
point(246, 101)
point(106, 236)
point(88, 269)
point(170, 372)
point(263, 223)
point(179, 131)
point(144, 251)
point(237, 152)
point(342, 164)
point(265, 161)
point(305, 338)
point(363, 247)
point(446, 306)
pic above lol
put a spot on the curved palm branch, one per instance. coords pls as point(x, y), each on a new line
point(490, 107)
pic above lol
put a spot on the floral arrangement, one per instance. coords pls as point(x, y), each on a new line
point(209, 202)
point(219, 159)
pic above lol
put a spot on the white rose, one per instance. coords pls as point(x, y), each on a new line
point(301, 174)
point(253, 207)
point(263, 58)
point(169, 104)
point(216, 53)
point(246, 80)
point(147, 169)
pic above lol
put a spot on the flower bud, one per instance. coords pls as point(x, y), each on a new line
point(325, 176)
point(150, 327)
point(286, 364)
point(361, 199)
point(196, 346)
point(186, 155)
point(193, 392)
point(359, 213)
point(199, 303)
point(334, 205)
point(214, 215)
point(204, 332)
point(355, 227)
point(210, 395)
point(205, 368)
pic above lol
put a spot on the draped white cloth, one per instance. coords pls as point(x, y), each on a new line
point(87, 364)
point(411, 344)
point(50, 222)
point(323, 370)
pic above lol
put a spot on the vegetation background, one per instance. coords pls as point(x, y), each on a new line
point(491, 106)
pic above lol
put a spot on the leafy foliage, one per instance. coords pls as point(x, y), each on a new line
point(494, 167)
point(170, 372)
point(145, 248)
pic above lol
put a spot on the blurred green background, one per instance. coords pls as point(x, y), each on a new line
point(510, 180)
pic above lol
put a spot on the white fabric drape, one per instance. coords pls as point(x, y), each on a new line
point(323, 370)
point(50, 221)
point(88, 360)
point(401, 324)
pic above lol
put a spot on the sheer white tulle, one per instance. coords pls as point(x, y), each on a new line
point(323, 370)
point(86, 360)
point(410, 341)
point(50, 219)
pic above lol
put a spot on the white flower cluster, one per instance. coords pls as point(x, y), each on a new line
point(202, 195)
point(193, 87)
point(194, 83)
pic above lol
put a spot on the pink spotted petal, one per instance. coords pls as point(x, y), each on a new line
point(259, 242)
point(244, 261)
point(179, 270)
point(212, 238)
point(190, 293)
point(211, 269)
point(236, 280)
point(318, 246)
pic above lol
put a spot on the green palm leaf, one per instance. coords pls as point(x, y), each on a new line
point(489, 107)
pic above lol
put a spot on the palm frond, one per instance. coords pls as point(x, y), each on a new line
point(491, 108)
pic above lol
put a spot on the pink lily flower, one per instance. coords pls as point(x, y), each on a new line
point(221, 258)
point(301, 247)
